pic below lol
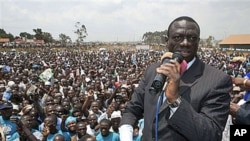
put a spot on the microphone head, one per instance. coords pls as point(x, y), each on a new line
point(160, 79)
point(178, 57)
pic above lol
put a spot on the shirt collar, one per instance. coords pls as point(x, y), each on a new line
point(191, 63)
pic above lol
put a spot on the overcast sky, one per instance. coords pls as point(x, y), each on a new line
point(123, 20)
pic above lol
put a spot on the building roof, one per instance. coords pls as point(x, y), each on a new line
point(236, 39)
point(4, 40)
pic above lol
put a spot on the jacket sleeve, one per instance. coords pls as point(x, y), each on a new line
point(243, 114)
point(135, 107)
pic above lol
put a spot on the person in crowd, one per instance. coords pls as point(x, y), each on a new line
point(50, 131)
point(115, 121)
point(195, 103)
point(58, 97)
point(122, 108)
point(94, 106)
point(88, 138)
point(8, 91)
point(125, 95)
point(25, 103)
point(81, 131)
point(141, 125)
point(2, 89)
point(240, 105)
point(36, 119)
point(93, 126)
point(70, 126)
point(59, 137)
point(105, 133)
point(78, 115)
point(51, 110)
point(107, 113)
point(81, 97)
point(26, 131)
point(61, 112)
point(8, 126)
point(67, 107)
point(136, 134)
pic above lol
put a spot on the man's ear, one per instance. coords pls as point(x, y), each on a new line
point(166, 38)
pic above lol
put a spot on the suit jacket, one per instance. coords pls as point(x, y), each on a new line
point(243, 114)
point(202, 114)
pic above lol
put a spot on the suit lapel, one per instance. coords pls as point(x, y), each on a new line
point(191, 76)
point(163, 106)
point(194, 72)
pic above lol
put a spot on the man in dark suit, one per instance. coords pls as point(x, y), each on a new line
point(193, 106)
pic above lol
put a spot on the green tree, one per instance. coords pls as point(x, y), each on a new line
point(202, 43)
point(64, 39)
point(3, 34)
point(81, 32)
point(47, 37)
point(38, 33)
point(26, 35)
point(210, 41)
point(157, 37)
point(147, 37)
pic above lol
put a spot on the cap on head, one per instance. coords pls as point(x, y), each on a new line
point(6, 105)
point(116, 114)
point(118, 95)
point(47, 83)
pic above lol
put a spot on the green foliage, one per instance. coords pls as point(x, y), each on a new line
point(47, 37)
point(157, 37)
point(38, 33)
point(26, 35)
point(3, 34)
point(210, 41)
point(81, 32)
point(64, 39)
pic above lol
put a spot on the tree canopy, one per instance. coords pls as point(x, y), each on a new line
point(157, 37)
point(81, 32)
point(3, 34)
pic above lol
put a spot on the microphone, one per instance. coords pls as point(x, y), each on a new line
point(160, 79)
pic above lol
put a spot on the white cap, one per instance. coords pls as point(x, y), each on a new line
point(87, 79)
point(116, 114)
point(47, 83)
point(124, 86)
point(16, 107)
point(11, 83)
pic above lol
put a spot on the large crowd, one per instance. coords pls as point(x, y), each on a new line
point(80, 95)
